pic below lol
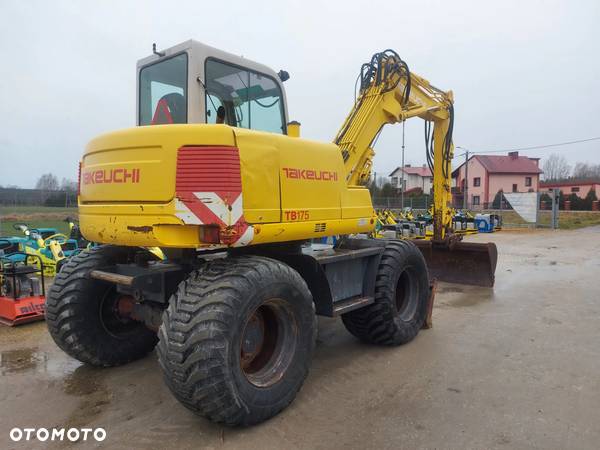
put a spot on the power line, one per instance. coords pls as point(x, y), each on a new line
point(534, 147)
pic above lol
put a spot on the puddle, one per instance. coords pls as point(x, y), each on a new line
point(21, 360)
point(31, 360)
point(76, 379)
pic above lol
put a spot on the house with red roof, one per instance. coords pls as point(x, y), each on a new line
point(489, 174)
point(573, 186)
point(415, 178)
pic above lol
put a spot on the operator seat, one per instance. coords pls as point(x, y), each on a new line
point(170, 109)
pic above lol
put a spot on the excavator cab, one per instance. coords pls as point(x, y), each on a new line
point(190, 82)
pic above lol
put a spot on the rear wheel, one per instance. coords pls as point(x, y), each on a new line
point(401, 298)
point(237, 339)
point(83, 314)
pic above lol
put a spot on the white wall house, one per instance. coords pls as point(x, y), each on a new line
point(414, 178)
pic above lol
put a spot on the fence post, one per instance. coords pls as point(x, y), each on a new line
point(537, 209)
point(554, 217)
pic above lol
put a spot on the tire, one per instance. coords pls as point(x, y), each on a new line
point(401, 298)
point(80, 314)
point(206, 365)
point(60, 264)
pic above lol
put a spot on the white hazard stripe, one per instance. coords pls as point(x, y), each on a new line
point(220, 209)
point(245, 238)
point(185, 214)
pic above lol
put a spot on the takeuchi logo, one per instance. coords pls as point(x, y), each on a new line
point(120, 175)
point(309, 174)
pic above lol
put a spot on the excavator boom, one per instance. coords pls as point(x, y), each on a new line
point(389, 93)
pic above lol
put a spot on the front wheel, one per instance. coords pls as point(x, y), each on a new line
point(237, 339)
point(401, 298)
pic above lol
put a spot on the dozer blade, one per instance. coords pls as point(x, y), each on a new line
point(465, 263)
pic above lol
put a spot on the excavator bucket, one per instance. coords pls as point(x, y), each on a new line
point(464, 263)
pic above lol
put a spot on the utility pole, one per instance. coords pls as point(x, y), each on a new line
point(466, 194)
point(402, 180)
point(466, 189)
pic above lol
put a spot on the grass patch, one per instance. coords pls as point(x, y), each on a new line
point(567, 220)
point(34, 217)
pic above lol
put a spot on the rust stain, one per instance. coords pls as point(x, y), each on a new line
point(145, 229)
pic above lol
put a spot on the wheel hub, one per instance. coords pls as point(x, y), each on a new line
point(268, 343)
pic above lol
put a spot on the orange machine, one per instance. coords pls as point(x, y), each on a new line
point(22, 293)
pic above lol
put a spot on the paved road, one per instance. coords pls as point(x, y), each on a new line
point(516, 367)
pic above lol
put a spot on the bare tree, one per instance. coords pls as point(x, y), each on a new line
point(68, 185)
point(585, 170)
point(47, 182)
point(556, 167)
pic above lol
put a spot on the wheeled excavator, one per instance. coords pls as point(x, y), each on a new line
point(218, 177)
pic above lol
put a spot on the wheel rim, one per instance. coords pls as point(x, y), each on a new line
point(406, 296)
point(268, 343)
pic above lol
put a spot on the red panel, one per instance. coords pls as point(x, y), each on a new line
point(208, 169)
point(21, 310)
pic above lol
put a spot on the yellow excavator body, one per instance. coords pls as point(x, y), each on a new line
point(199, 185)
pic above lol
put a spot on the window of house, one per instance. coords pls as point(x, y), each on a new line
point(395, 182)
point(476, 200)
point(527, 181)
point(477, 181)
point(251, 100)
point(575, 189)
point(515, 188)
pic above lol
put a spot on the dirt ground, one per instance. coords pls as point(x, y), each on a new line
point(513, 367)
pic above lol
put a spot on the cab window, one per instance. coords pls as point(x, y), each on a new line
point(163, 92)
point(250, 99)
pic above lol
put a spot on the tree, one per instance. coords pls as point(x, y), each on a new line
point(585, 170)
point(47, 182)
point(68, 185)
point(556, 168)
point(589, 199)
point(497, 199)
point(577, 204)
point(387, 190)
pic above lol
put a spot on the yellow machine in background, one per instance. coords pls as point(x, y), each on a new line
point(219, 179)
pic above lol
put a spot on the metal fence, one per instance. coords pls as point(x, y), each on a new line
point(422, 202)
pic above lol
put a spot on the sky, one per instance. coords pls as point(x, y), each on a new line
point(523, 73)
